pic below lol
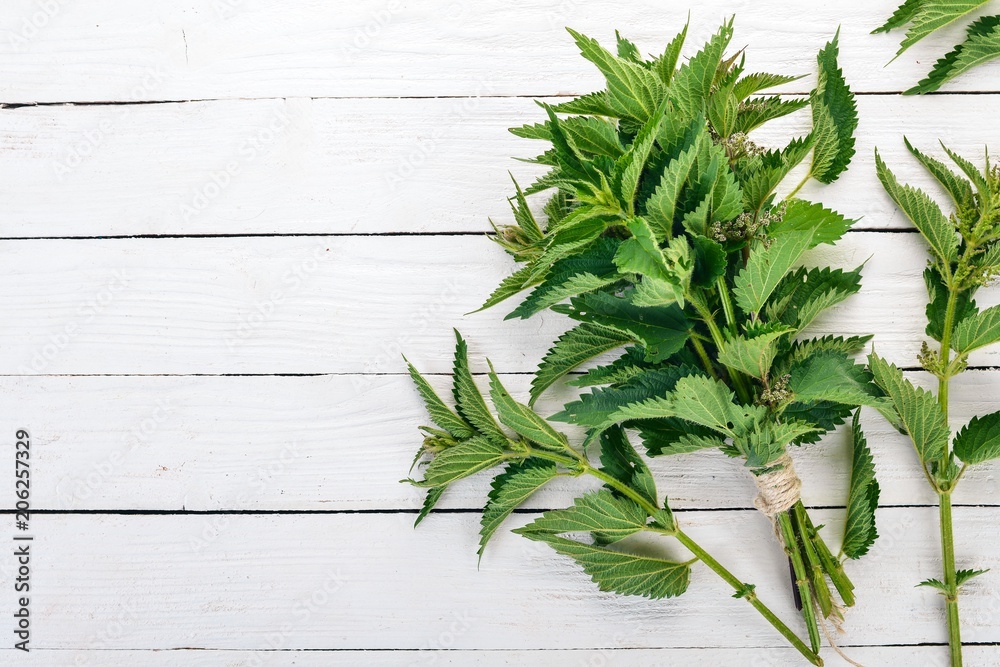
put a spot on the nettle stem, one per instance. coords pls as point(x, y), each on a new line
point(944, 494)
point(743, 590)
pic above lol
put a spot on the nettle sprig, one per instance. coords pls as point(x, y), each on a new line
point(982, 40)
point(663, 237)
point(965, 255)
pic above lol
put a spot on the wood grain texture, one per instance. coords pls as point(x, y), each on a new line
point(364, 166)
point(347, 582)
point(340, 305)
point(329, 444)
point(929, 656)
point(114, 50)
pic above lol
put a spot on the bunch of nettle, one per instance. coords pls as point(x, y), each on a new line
point(664, 240)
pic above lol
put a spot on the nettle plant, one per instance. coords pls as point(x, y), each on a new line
point(965, 255)
point(664, 238)
point(982, 40)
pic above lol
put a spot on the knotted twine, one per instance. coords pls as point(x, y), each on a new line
point(777, 492)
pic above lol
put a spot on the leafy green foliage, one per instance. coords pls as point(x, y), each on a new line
point(860, 531)
point(979, 440)
point(924, 17)
point(917, 409)
point(752, 356)
point(835, 118)
point(523, 419)
point(581, 343)
point(510, 489)
point(601, 512)
point(977, 330)
point(620, 460)
point(766, 268)
point(462, 460)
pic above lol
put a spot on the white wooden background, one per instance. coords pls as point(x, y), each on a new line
point(223, 222)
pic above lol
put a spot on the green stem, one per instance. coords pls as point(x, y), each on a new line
point(819, 585)
point(727, 303)
point(801, 185)
point(738, 380)
point(801, 577)
point(831, 564)
point(950, 580)
point(745, 590)
point(949, 324)
point(706, 361)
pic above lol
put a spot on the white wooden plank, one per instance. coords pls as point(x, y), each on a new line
point(116, 50)
point(337, 305)
point(328, 443)
point(982, 656)
point(350, 582)
point(361, 165)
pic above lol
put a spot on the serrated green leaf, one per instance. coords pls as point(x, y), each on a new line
point(509, 490)
point(925, 214)
point(756, 112)
point(468, 400)
point(982, 44)
point(934, 583)
point(903, 15)
point(917, 408)
point(803, 349)
point(440, 413)
point(620, 460)
point(511, 285)
point(577, 274)
point(430, 501)
point(523, 419)
point(628, 168)
point(977, 330)
point(932, 15)
point(824, 225)
point(622, 573)
point(959, 188)
point(462, 460)
point(830, 376)
point(692, 84)
point(962, 576)
point(805, 293)
point(591, 135)
point(696, 398)
point(664, 437)
point(666, 64)
point(766, 171)
point(633, 91)
point(979, 440)
point(662, 330)
point(754, 83)
point(860, 531)
point(937, 304)
point(835, 117)
point(613, 517)
point(766, 267)
point(752, 356)
point(596, 104)
point(595, 410)
point(661, 207)
point(581, 343)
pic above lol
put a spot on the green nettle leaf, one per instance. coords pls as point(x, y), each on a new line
point(752, 356)
point(756, 112)
point(622, 573)
point(860, 531)
point(525, 421)
point(430, 501)
point(462, 460)
point(581, 343)
point(613, 517)
point(925, 214)
point(440, 413)
point(766, 267)
point(661, 207)
point(824, 225)
point(666, 64)
point(982, 44)
point(620, 460)
point(835, 118)
point(664, 437)
point(469, 400)
point(628, 168)
point(769, 169)
point(597, 410)
point(979, 440)
point(698, 399)
point(754, 83)
point(917, 408)
point(903, 15)
point(959, 188)
point(977, 330)
point(511, 285)
point(934, 14)
point(633, 91)
point(805, 293)
point(962, 576)
point(830, 376)
point(587, 134)
point(662, 330)
point(937, 304)
point(692, 83)
point(511, 488)
point(803, 349)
